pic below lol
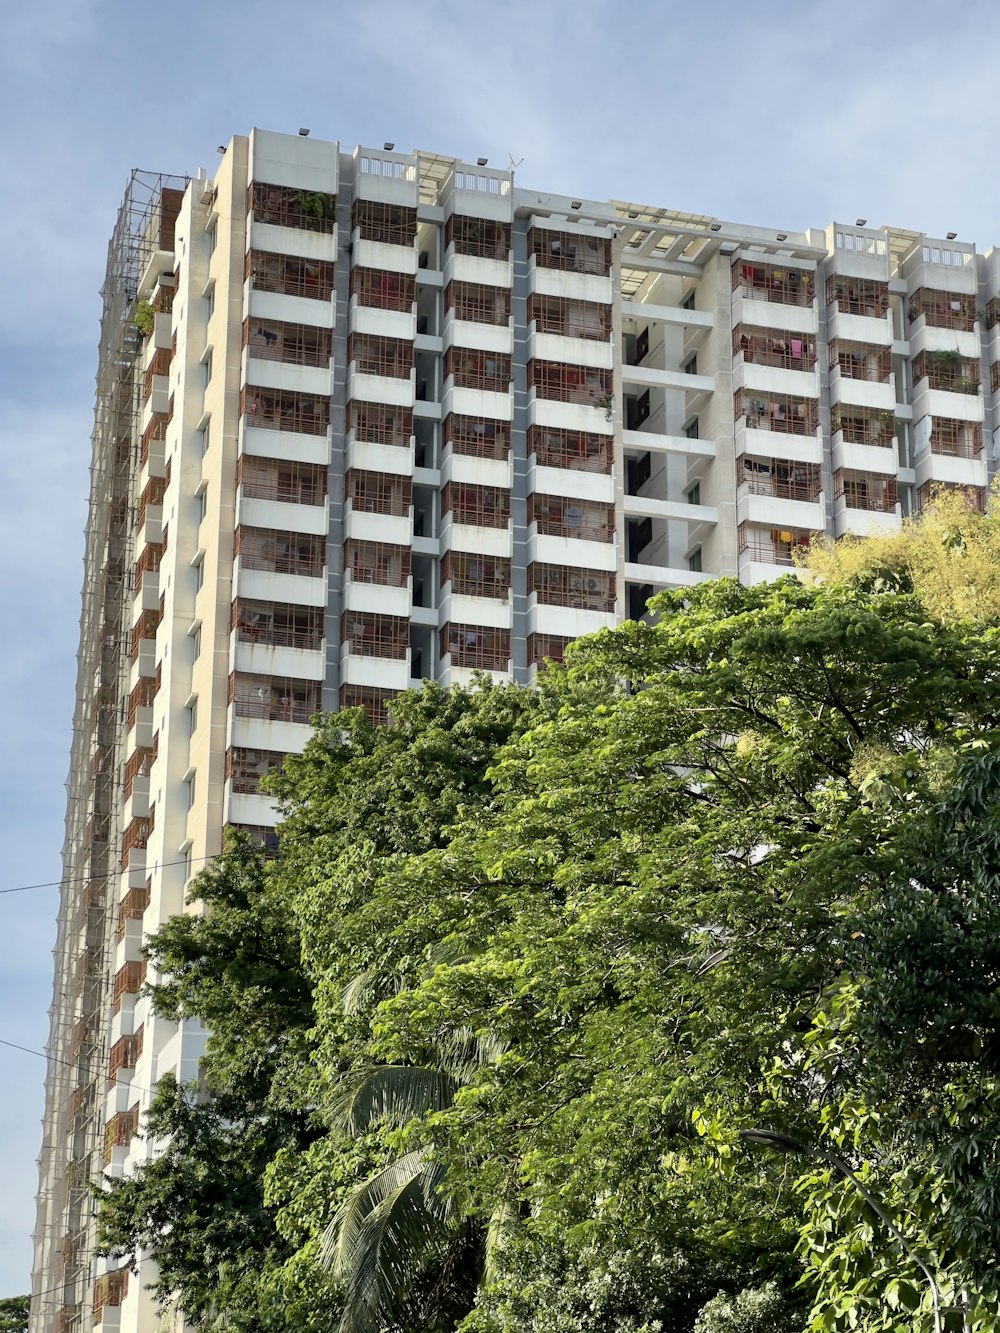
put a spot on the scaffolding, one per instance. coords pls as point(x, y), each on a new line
point(71, 1155)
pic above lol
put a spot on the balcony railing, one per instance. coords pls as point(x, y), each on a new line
point(379, 492)
point(245, 768)
point(477, 437)
point(381, 563)
point(574, 450)
point(478, 303)
point(944, 310)
point(764, 347)
point(974, 496)
point(391, 358)
point(474, 369)
point(286, 482)
point(779, 478)
point(865, 490)
point(289, 275)
point(863, 426)
point(286, 206)
point(476, 575)
point(861, 361)
point(777, 412)
point(479, 506)
point(570, 319)
point(546, 646)
point(476, 647)
point(373, 699)
point(277, 624)
point(572, 252)
point(956, 439)
point(774, 282)
point(572, 384)
point(584, 520)
point(283, 409)
point(563, 585)
point(383, 289)
point(481, 238)
point(292, 344)
point(368, 634)
point(275, 552)
point(948, 371)
point(858, 296)
point(374, 423)
point(274, 699)
point(771, 546)
point(388, 224)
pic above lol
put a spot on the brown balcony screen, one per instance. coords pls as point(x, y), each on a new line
point(277, 624)
point(289, 275)
point(477, 437)
point(476, 647)
point(476, 575)
point(368, 634)
point(480, 237)
point(478, 303)
point(283, 409)
point(570, 251)
point(379, 492)
point(285, 206)
point(478, 506)
point(563, 585)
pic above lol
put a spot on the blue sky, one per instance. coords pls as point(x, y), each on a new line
point(786, 113)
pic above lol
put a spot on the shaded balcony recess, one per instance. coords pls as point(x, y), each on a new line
point(779, 478)
point(476, 437)
point(773, 282)
point(860, 425)
point(291, 344)
point(476, 647)
point(477, 303)
point(584, 520)
point(481, 238)
point(382, 563)
point(289, 275)
point(771, 546)
point(372, 698)
point(472, 575)
point(943, 310)
point(858, 296)
point(276, 552)
point(375, 423)
point(776, 412)
point(572, 252)
point(379, 492)
point(542, 647)
point(956, 439)
point(283, 480)
point(383, 289)
point(388, 224)
point(865, 490)
point(574, 450)
point(374, 355)
point(274, 698)
point(948, 371)
point(277, 624)
point(246, 767)
point(368, 634)
point(565, 585)
point(286, 206)
point(861, 361)
point(570, 319)
point(780, 348)
point(476, 506)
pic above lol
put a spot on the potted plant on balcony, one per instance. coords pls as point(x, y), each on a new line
point(144, 318)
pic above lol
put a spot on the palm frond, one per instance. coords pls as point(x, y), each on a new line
point(381, 1236)
point(397, 1093)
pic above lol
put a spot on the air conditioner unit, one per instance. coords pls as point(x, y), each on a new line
point(208, 193)
point(595, 584)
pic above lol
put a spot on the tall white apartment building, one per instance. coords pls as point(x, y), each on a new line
point(365, 418)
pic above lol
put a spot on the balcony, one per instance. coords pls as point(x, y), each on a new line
point(777, 413)
point(274, 698)
point(246, 767)
point(947, 371)
point(286, 206)
point(773, 549)
point(290, 275)
point(578, 519)
point(943, 310)
point(780, 348)
point(775, 283)
point(373, 700)
point(288, 343)
point(567, 318)
point(285, 410)
point(468, 574)
point(368, 634)
point(384, 223)
point(476, 647)
point(284, 482)
point(570, 252)
point(566, 586)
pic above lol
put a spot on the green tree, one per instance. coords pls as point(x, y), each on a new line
point(14, 1314)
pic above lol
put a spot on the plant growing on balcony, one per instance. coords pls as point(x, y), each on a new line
point(608, 403)
point(315, 203)
point(947, 358)
point(145, 318)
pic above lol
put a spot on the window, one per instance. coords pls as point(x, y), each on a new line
point(204, 437)
point(477, 437)
point(564, 585)
point(476, 575)
point(207, 363)
point(189, 791)
point(192, 716)
point(282, 409)
point(478, 506)
point(195, 635)
point(688, 302)
point(187, 862)
point(570, 449)
point(693, 495)
point(691, 429)
point(690, 366)
point(370, 635)
point(476, 647)
point(694, 560)
point(201, 500)
point(210, 299)
point(212, 232)
point(198, 565)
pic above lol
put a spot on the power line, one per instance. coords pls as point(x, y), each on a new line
point(70, 1064)
point(86, 879)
